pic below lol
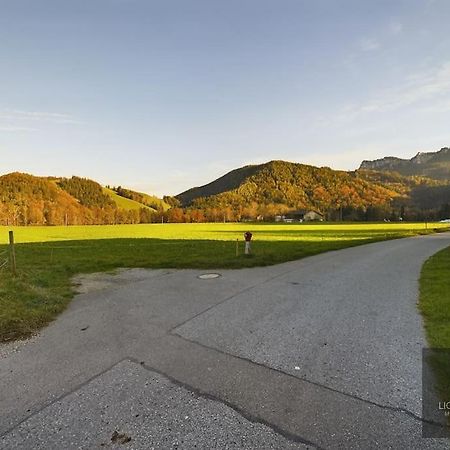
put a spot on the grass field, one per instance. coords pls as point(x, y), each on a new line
point(47, 257)
point(125, 203)
point(435, 307)
point(128, 204)
point(220, 231)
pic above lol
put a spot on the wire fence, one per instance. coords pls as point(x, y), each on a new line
point(4, 259)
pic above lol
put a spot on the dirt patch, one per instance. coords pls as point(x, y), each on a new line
point(120, 438)
point(92, 282)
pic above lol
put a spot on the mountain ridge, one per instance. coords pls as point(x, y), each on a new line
point(430, 164)
point(257, 191)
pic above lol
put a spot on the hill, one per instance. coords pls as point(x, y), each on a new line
point(88, 192)
point(92, 194)
point(435, 165)
point(29, 200)
point(277, 186)
point(227, 182)
point(150, 201)
point(124, 202)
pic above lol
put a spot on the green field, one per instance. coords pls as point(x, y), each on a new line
point(129, 204)
point(123, 202)
point(220, 231)
point(47, 257)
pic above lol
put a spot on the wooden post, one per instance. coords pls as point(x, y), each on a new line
point(12, 253)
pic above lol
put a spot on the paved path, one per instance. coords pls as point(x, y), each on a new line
point(324, 352)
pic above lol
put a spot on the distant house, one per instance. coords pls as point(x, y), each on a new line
point(302, 215)
point(312, 215)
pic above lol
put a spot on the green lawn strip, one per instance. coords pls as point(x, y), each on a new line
point(42, 288)
point(435, 307)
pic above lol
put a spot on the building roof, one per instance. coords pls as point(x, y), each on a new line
point(302, 212)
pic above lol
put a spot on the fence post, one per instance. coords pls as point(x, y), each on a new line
point(12, 253)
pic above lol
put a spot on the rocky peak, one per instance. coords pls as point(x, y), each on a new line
point(385, 162)
point(430, 164)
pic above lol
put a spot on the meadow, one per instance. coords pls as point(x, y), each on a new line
point(47, 257)
point(218, 231)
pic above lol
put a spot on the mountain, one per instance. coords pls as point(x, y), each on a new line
point(282, 185)
point(435, 165)
point(266, 190)
point(227, 182)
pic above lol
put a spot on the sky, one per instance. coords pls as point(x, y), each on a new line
point(164, 95)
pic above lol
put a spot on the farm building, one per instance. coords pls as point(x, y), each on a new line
point(302, 215)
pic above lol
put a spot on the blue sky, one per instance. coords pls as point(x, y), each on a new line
point(163, 95)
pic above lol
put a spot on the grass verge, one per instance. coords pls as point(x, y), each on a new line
point(435, 307)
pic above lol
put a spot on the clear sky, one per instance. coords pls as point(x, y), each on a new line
point(163, 95)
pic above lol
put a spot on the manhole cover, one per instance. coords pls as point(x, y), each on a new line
point(209, 276)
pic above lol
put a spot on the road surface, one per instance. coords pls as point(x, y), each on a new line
point(323, 352)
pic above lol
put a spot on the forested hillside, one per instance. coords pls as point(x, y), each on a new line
point(374, 192)
point(278, 186)
point(394, 181)
point(229, 181)
point(29, 200)
point(89, 193)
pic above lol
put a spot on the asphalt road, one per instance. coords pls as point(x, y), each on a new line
point(324, 352)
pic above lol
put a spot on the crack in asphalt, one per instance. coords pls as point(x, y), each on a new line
point(198, 392)
point(62, 397)
point(323, 386)
point(250, 417)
